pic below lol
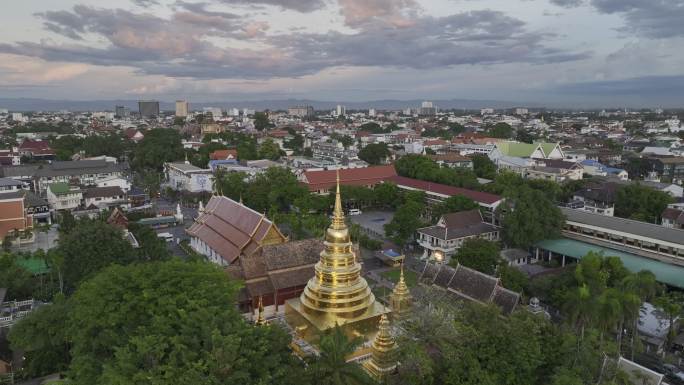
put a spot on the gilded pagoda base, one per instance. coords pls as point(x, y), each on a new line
point(310, 326)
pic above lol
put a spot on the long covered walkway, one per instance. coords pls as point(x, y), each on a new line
point(569, 249)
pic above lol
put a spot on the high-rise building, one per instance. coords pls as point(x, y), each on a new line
point(301, 111)
point(215, 112)
point(121, 112)
point(148, 108)
point(182, 108)
point(521, 111)
point(341, 110)
point(427, 109)
point(371, 112)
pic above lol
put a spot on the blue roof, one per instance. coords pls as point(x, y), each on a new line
point(672, 275)
point(591, 162)
point(214, 163)
point(391, 253)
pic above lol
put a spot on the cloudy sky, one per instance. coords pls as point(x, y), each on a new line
point(575, 52)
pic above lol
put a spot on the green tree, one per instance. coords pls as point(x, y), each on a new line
point(331, 367)
point(386, 195)
point(405, 222)
point(531, 217)
point(374, 153)
point(641, 203)
point(501, 130)
point(152, 248)
point(276, 189)
point(484, 167)
point(512, 278)
point(43, 339)
point(247, 149)
point(479, 254)
point(159, 145)
point(261, 121)
point(453, 204)
point(672, 305)
point(17, 280)
point(269, 150)
point(169, 323)
point(90, 247)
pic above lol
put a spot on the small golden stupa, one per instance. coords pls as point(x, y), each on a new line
point(400, 299)
point(383, 361)
point(336, 294)
point(260, 317)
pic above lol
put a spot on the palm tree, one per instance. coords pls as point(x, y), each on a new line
point(643, 285)
point(331, 367)
point(609, 310)
point(580, 306)
point(672, 305)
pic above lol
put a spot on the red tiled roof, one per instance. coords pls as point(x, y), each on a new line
point(223, 154)
point(29, 144)
point(437, 188)
point(321, 180)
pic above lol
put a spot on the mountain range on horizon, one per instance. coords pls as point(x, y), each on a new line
point(35, 104)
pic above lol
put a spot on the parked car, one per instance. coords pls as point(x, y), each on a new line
point(673, 371)
point(354, 212)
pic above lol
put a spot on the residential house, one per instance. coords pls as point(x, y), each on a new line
point(442, 241)
point(595, 168)
point(673, 217)
point(528, 150)
point(598, 198)
point(183, 176)
point(104, 197)
point(82, 172)
point(453, 160)
point(62, 196)
point(228, 154)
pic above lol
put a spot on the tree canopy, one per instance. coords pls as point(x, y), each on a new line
point(159, 145)
point(501, 130)
point(641, 202)
point(530, 217)
point(424, 168)
point(169, 323)
point(374, 153)
point(479, 254)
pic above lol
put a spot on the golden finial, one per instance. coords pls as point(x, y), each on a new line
point(338, 214)
point(260, 317)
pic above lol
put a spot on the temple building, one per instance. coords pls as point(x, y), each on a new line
point(336, 294)
point(383, 361)
point(400, 299)
point(226, 230)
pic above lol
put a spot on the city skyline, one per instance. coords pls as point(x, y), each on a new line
point(575, 53)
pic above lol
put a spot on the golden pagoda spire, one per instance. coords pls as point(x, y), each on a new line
point(400, 299)
point(383, 361)
point(338, 213)
point(337, 292)
point(260, 317)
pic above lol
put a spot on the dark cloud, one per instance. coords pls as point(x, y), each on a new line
point(649, 18)
point(145, 3)
point(567, 3)
point(295, 5)
point(178, 46)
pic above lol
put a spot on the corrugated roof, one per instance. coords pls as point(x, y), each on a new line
point(625, 225)
point(325, 179)
point(442, 189)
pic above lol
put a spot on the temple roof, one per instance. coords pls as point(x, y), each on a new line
point(470, 284)
point(231, 228)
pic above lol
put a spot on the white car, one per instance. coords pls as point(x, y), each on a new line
point(354, 212)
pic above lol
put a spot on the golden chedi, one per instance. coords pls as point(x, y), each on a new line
point(400, 299)
point(336, 294)
point(383, 361)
